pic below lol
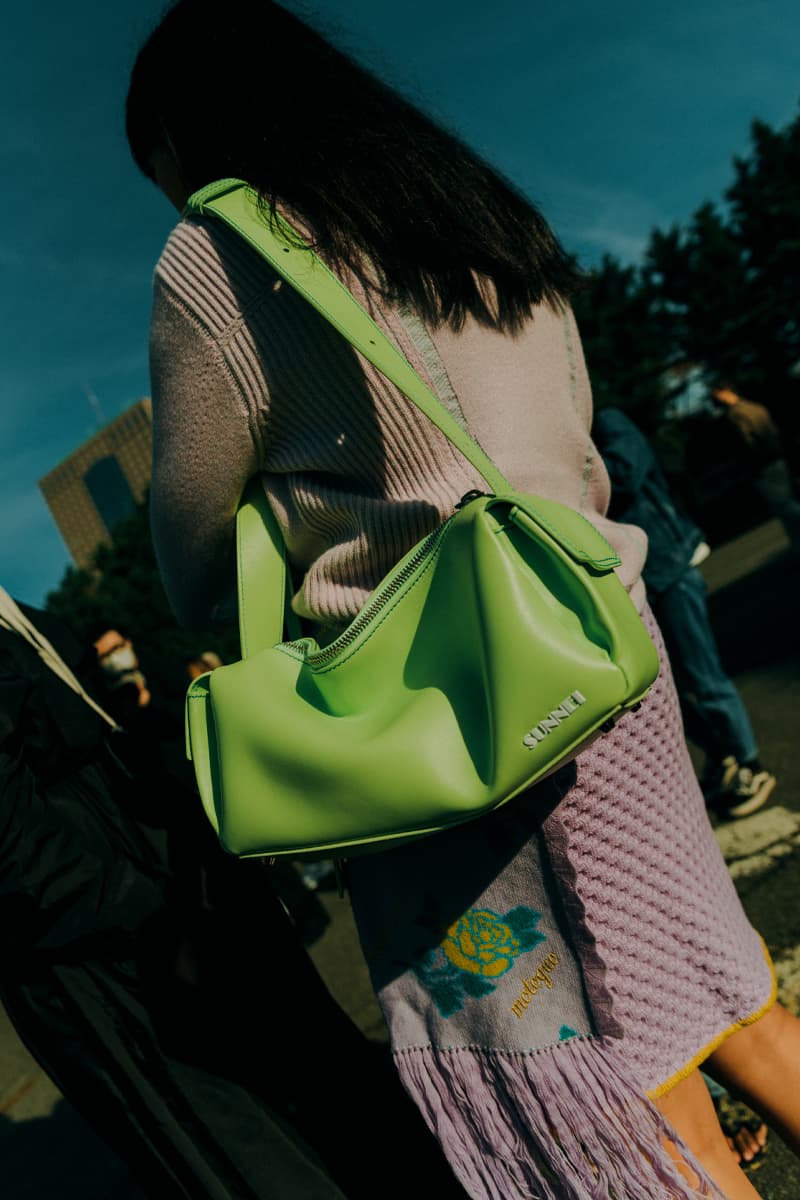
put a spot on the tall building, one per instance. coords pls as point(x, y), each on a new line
point(102, 481)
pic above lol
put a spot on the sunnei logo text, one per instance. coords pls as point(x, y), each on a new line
point(565, 709)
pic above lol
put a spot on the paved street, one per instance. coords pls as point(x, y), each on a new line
point(45, 1148)
point(46, 1151)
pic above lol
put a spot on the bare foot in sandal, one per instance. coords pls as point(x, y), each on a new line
point(747, 1143)
point(745, 1132)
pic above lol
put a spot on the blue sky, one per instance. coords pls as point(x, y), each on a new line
point(614, 117)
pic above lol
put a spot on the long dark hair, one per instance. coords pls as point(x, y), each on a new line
point(246, 89)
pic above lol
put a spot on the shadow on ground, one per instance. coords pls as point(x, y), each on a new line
point(755, 618)
point(59, 1156)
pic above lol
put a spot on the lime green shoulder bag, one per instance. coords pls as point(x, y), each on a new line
point(493, 652)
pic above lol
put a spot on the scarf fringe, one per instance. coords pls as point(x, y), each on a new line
point(563, 1123)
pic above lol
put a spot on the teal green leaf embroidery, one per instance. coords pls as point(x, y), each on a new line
point(446, 994)
point(476, 987)
point(565, 1033)
point(476, 950)
point(524, 927)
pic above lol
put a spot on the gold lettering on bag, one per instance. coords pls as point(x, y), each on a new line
point(540, 978)
point(560, 713)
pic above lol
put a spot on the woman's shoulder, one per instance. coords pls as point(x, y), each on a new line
point(212, 273)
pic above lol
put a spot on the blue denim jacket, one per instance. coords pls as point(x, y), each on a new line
point(640, 496)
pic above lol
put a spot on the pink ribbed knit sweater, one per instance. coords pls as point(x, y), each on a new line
point(246, 377)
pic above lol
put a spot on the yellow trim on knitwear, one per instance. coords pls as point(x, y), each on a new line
point(662, 1089)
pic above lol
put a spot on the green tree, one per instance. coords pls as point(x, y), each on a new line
point(765, 213)
point(122, 589)
point(697, 281)
point(765, 208)
point(624, 339)
point(722, 292)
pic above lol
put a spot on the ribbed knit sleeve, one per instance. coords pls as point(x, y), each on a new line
point(203, 454)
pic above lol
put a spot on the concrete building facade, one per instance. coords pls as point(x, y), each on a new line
point(101, 482)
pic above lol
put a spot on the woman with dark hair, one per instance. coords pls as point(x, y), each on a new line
point(552, 975)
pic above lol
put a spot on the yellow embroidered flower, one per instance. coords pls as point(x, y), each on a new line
point(481, 943)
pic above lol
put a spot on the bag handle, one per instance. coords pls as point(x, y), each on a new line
point(260, 562)
point(261, 557)
point(13, 618)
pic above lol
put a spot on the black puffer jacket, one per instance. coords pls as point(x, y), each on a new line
point(75, 866)
point(91, 914)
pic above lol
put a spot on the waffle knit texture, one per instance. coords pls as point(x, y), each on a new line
point(548, 969)
point(683, 965)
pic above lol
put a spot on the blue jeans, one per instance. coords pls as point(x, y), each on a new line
point(715, 717)
point(716, 1090)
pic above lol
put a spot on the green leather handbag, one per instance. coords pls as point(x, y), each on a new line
point(492, 654)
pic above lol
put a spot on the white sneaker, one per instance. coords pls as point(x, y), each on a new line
point(718, 778)
point(750, 791)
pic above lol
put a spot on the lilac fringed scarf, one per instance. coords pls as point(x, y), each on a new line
point(500, 1023)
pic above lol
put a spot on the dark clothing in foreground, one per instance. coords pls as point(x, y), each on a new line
point(190, 1030)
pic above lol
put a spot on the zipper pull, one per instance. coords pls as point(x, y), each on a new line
point(468, 497)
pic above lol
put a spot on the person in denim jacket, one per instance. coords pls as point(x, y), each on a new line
point(734, 780)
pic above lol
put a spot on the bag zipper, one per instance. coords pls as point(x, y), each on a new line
point(379, 602)
point(374, 606)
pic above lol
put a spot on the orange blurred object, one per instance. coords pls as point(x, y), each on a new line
point(726, 396)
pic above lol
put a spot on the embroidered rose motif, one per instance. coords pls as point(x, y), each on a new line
point(476, 950)
point(482, 943)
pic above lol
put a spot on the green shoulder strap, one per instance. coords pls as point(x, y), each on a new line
point(237, 205)
point(261, 554)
